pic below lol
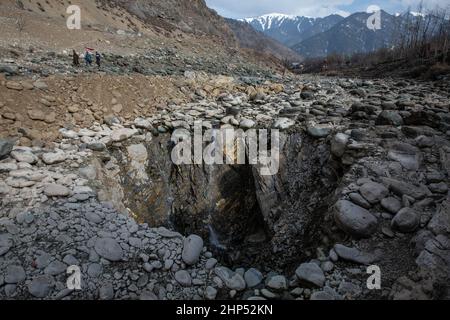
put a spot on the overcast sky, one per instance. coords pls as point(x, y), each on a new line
point(313, 8)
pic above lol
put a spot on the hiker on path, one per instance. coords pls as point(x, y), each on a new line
point(88, 58)
point(98, 59)
point(76, 59)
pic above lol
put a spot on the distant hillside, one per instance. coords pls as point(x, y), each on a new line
point(252, 39)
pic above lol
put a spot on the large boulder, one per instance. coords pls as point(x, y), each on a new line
point(41, 286)
point(338, 144)
point(14, 274)
point(389, 117)
point(353, 254)
point(192, 247)
point(183, 277)
point(354, 219)
point(24, 156)
point(122, 134)
point(406, 220)
point(311, 274)
point(253, 277)
point(409, 156)
point(55, 157)
point(109, 249)
point(373, 192)
point(233, 280)
point(56, 190)
point(401, 188)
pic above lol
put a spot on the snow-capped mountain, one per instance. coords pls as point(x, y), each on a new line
point(289, 29)
point(351, 35)
point(269, 21)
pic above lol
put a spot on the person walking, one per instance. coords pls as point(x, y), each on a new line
point(98, 59)
point(88, 58)
point(75, 58)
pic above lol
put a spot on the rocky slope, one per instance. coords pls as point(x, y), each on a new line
point(259, 42)
point(156, 37)
point(192, 16)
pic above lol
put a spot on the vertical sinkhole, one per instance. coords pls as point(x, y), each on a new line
point(217, 202)
point(245, 218)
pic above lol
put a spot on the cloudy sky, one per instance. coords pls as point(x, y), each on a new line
point(313, 8)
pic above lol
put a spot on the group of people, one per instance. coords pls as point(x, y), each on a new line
point(87, 58)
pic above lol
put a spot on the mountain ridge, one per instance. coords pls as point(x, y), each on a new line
point(291, 30)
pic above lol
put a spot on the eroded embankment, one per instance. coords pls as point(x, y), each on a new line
point(246, 216)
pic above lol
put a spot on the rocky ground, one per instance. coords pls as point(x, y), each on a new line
point(364, 181)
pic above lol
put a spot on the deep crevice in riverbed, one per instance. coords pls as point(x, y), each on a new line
point(246, 218)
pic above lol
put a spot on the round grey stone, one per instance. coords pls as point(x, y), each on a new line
point(192, 248)
point(210, 293)
point(109, 249)
point(391, 205)
point(310, 273)
point(373, 192)
point(277, 282)
point(406, 220)
point(253, 277)
point(14, 274)
point(354, 219)
point(41, 286)
point(184, 278)
point(55, 267)
point(106, 291)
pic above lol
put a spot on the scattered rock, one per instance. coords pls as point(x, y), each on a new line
point(354, 220)
point(353, 255)
point(389, 117)
point(391, 204)
point(210, 293)
point(311, 274)
point(318, 132)
point(339, 144)
point(56, 190)
point(109, 249)
point(14, 274)
point(192, 247)
point(24, 156)
point(373, 192)
point(184, 278)
point(406, 220)
point(106, 291)
point(253, 277)
point(41, 286)
point(122, 134)
point(52, 158)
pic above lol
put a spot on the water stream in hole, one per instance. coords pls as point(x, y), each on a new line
point(213, 236)
point(214, 239)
